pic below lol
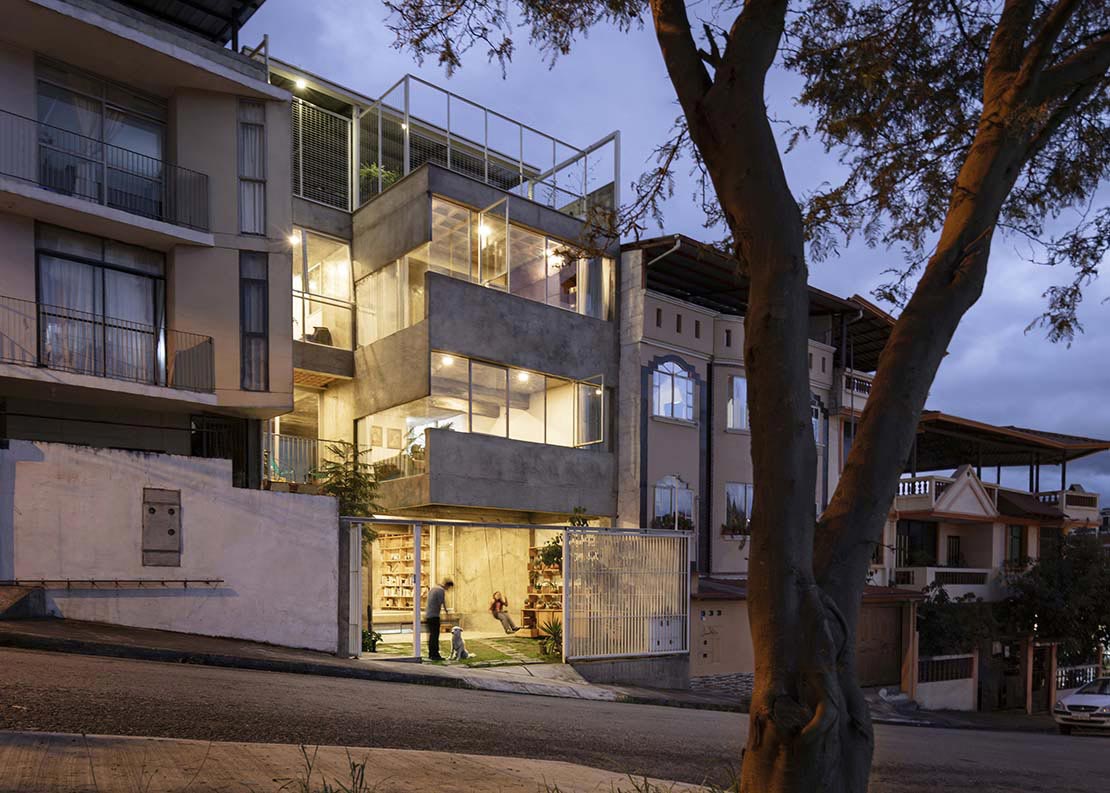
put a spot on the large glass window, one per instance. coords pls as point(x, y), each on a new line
point(673, 505)
point(101, 306)
point(672, 392)
point(737, 403)
point(100, 140)
point(739, 498)
point(322, 307)
point(489, 395)
point(1015, 545)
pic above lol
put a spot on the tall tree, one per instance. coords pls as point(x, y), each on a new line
point(955, 118)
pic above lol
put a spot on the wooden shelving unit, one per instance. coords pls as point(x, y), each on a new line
point(395, 585)
point(545, 594)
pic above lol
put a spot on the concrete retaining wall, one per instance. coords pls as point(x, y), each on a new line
point(74, 512)
point(947, 695)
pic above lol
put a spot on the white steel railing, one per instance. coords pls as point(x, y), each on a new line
point(415, 122)
point(627, 593)
point(291, 458)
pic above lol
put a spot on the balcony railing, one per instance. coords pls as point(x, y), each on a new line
point(415, 122)
point(323, 320)
point(962, 577)
point(71, 164)
point(292, 458)
point(55, 337)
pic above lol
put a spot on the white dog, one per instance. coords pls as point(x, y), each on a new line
point(458, 646)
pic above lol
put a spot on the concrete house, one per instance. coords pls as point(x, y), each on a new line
point(449, 328)
point(145, 208)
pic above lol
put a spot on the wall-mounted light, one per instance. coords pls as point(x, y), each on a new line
point(404, 126)
point(295, 238)
point(522, 376)
point(300, 84)
point(446, 360)
point(597, 392)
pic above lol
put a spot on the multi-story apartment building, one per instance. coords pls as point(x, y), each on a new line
point(145, 209)
point(144, 189)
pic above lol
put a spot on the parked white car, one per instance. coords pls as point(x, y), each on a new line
point(1087, 708)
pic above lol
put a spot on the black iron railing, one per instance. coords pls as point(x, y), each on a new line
point(55, 337)
point(72, 164)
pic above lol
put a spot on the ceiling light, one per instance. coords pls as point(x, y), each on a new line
point(446, 360)
point(300, 84)
point(597, 392)
point(522, 377)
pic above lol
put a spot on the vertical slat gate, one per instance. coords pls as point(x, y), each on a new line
point(626, 593)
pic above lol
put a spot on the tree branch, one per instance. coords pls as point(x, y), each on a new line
point(1040, 49)
point(1090, 63)
point(755, 35)
point(1008, 42)
point(680, 53)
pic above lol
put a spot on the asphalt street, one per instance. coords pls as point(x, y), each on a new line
point(86, 694)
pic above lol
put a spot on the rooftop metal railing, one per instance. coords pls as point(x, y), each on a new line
point(415, 122)
point(72, 164)
point(64, 339)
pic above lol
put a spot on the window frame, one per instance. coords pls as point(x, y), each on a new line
point(264, 334)
point(673, 485)
point(730, 404)
point(262, 180)
point(747, 492)
point(672, 372)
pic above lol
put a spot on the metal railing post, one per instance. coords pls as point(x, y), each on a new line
point(405, 129)
point(416, 587)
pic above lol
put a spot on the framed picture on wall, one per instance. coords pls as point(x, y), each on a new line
point(375, 436)
point(394, 439)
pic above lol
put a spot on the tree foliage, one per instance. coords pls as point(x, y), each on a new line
point(1065, 597)
point(947, 625)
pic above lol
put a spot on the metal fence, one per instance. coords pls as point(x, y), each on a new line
point(940, 668)
point(292, 458)
point(1069, 677)
point(321, 155)
point(627, 593)
point(86, 168)
point(416, 122)
point(55, 337)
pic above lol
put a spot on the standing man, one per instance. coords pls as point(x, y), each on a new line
point(437, 596)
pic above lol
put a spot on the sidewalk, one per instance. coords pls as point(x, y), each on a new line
point(549, 680)
point(41, 762)
point(907, 713)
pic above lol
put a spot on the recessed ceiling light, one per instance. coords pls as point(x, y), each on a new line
point(522, 377)
point(447, 360)
point(300, 84)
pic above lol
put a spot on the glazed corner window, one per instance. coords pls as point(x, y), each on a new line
point(673, 505)
point(672, 392)
point(738, 508)
point(252, 167)
point(254, 321)
point(737, 403)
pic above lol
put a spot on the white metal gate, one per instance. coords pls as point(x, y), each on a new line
point(626, 593)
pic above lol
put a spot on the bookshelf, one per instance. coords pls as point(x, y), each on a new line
point(545, 594)
point(395, 583)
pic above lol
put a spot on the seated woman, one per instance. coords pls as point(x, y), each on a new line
point(499, 609)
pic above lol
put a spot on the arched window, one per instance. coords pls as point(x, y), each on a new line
point(673, 505)
point(672, 392)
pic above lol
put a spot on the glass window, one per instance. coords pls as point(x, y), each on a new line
point(378, 303)
point(527, 406)
point(527, 257)
point(102, 311)
point(672, 392)
point(737, 403)
point(450, 250)
point(673, 505)
point(493, 246)
point(1015, 544)
point(322, 311)
point(597, 274)
point(252, 167)
point(254, 321)
point(560, 411)
point(818, 424)
point(591, 408)
point(739, 498)
point(488, 399)
point(562, 276)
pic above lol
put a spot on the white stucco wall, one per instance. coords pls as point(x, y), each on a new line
point(76, 512)
point(947, 695)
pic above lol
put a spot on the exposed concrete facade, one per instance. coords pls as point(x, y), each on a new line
point(72, 512)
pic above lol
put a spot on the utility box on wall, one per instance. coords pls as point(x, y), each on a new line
point(161, 527)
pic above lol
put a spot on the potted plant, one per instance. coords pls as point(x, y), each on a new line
point(551, 554)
